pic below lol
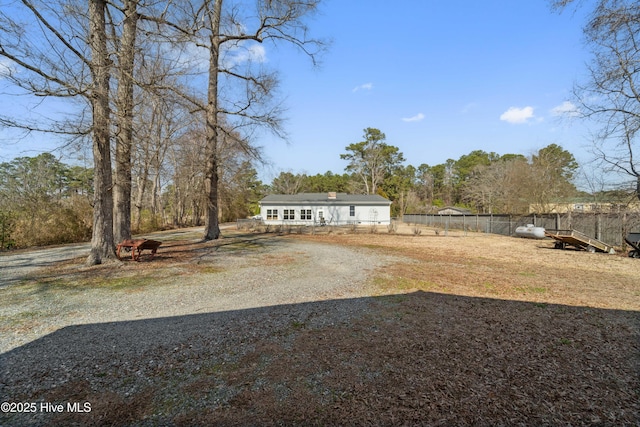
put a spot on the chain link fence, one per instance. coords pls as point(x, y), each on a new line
point(611, 228)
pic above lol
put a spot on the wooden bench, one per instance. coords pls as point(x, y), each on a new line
point(137, 246)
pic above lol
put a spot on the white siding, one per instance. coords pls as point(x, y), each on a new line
point(333, 214)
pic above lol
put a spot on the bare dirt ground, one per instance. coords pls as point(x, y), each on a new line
point(456, 329)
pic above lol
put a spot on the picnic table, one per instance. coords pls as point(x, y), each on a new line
point(136, 246)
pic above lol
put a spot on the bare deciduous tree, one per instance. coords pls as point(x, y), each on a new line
point(68, 55)
point(65, 54)
point(124, 120)
point(287, 183)
point(226, 29)
point(611, 95)
point(52, 61)
point(187, 164)
point(102, 243)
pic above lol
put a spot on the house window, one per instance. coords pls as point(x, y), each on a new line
point(305, 214)
point(272, 213)
point(352, 211)
point(289, 214)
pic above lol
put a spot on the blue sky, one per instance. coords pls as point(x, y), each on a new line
point(439, 78)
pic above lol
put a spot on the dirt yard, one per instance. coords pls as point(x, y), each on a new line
point(455, 329)
point(492, 266)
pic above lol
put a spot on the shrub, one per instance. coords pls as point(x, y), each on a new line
point(7, 225)
point(148, 222)
point(68, 221)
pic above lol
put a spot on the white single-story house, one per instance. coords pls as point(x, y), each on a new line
point(325, 209)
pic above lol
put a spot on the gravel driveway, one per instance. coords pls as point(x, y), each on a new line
point(110, 338)
point(255, 272)
point(14, 267)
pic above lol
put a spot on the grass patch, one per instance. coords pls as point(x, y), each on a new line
point(564, 341)
point(53, 288)
point(297, 325)
point(531, 289)
point(206, 269)
point(127, 283)
point(405, 284)
point(9, 322)
point(527, 274)
point(123, 283)
point(489, 286)
point(22, 322)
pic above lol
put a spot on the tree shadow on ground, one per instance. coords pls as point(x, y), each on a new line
point(171, 253)
point(419, 358)
point(178, 249)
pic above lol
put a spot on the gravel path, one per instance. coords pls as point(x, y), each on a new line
point(272, 272)
point(17, 266)
point(53, 341)
point(14, 267)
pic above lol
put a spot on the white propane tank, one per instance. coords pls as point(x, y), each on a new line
point(530, 231)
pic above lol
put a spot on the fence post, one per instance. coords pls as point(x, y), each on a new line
point(624, 231)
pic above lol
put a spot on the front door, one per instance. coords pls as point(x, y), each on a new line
point(321, 217)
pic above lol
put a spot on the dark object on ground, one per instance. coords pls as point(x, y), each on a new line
point(633, 240)
point(578, 240)
point(137, 246)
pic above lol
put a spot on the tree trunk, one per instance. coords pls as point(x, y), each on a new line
point(155, 200)
point(212, 227)
point(102, 244)
point(142, 185)
point(177, 206)
point(124, 141)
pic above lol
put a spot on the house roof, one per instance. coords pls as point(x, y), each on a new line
point(454, 209)
point(315, 198)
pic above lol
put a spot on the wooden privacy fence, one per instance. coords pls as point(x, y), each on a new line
point(608, 227)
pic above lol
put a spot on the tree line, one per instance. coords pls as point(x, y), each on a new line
point(171, 97)
point(484, 182)
point(45, 201)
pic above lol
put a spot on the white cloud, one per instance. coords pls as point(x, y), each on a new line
point(196, 58)
point(469, 107)
point(566, 109)
point(517, 115)
point(6, 68)
point(243, 53)
point(366, 86)
point(418, 117)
